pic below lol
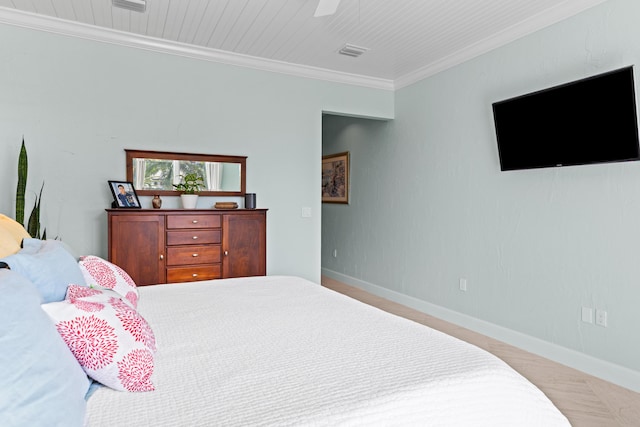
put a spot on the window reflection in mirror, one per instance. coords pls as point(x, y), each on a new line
point(154, 172)
point(160, 174)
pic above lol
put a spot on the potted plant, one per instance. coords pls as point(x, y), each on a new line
point(189, 185)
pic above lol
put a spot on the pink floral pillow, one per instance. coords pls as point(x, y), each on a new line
point(107, 275)
point(112, 342)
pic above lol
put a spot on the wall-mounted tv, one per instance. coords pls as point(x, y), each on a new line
point(592, 120)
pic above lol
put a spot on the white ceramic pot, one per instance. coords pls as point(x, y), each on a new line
point(189, 201)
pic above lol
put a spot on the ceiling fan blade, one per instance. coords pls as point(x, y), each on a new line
point(326, 7)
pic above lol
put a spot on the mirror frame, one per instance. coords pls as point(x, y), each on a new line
point(144, 154)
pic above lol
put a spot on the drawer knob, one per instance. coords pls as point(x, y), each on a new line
point(195, 221)
point(194, 275)
point(226, 253)
point(161, 257)
point(194, 255)
point(195, 237)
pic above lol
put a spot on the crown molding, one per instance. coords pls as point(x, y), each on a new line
point(49, 24)
point(547, 18)
point(58, 26)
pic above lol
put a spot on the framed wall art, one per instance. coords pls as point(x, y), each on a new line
point(335, 178)
point(124, 195)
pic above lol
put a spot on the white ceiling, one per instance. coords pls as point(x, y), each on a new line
point(407, 39)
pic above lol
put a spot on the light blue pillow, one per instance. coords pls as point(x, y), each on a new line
point(41, 383)
point(48, 265)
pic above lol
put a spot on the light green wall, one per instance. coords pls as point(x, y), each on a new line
point(79, 103)
point(429, 205)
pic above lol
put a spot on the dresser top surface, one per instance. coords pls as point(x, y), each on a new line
point(181, 211)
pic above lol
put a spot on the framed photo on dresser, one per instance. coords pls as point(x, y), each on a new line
point(124, 195)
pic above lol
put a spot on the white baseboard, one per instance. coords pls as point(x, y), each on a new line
point(607, 371)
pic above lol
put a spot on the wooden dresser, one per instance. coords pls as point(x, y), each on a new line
point(183, 245)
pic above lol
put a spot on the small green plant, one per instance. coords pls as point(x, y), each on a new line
point(33, 225)
point(190, 183)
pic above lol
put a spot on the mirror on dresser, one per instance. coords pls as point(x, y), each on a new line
point(155, 172)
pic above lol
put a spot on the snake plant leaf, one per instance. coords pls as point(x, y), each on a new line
point(22, 183)
point(34, 219)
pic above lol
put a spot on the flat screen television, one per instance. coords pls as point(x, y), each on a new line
point(592, 120)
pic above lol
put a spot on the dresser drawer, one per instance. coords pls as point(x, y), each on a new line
point(191, 274)
point(193, 221)
point(185, 255)
point(193, 237)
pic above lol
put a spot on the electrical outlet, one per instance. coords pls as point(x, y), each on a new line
point(463, 285)
point(587, 314)
point(601, 317)
point(305, 212)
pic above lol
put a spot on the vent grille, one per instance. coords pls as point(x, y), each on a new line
point(134, 5)
point(352, 50)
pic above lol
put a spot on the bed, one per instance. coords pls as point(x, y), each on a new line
point(258, 351)
point(284, 351)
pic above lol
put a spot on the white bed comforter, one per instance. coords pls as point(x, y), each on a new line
point(284, 351)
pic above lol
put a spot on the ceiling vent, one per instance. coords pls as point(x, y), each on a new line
point(135, 5)
point(351, 50)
